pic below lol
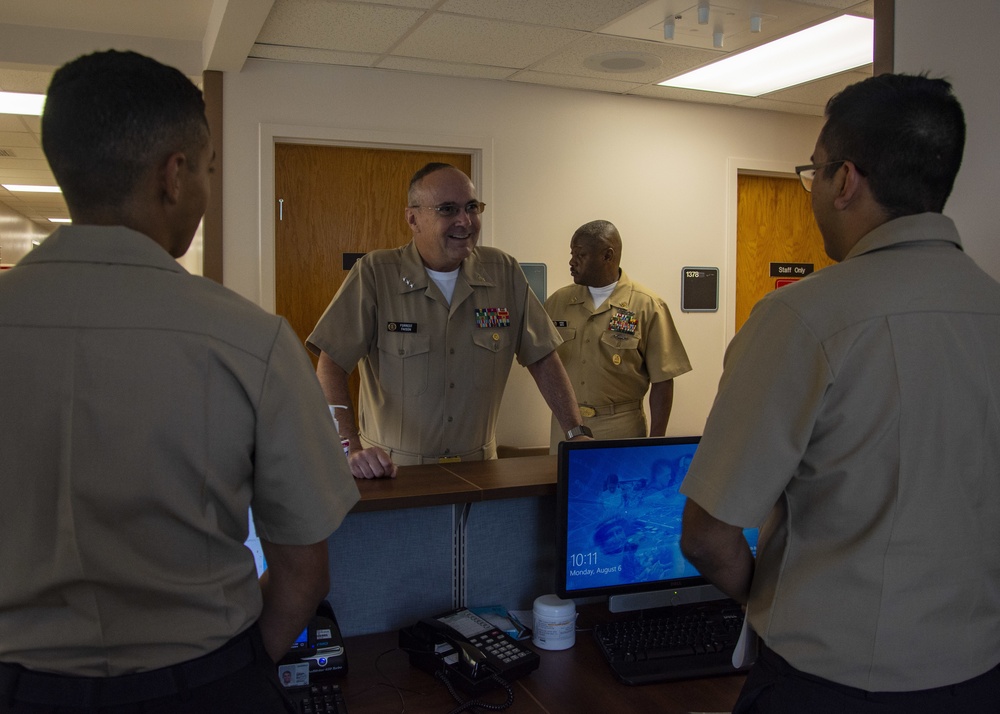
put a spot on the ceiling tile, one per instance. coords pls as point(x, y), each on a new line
point(481, 41)
point(21, 140)
point(425, 4)
point(575, 14)
point(312, 56)
point(819, 91)
point(13, 123)
point(177, 19)
point(448, 69)
point(343, 26)
point(667, 60)
point(31, 82)
point(779, 106)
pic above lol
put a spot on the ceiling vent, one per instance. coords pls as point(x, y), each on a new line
point(7, 153)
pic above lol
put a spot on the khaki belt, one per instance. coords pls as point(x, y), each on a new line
point(479, 454)
point(588, 412)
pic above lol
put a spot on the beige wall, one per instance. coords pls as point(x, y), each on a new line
point(959, 45)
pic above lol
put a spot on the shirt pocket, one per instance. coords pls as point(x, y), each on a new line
point(491, 357)
point(404, 362)
point(567, 333)
point(624, 346)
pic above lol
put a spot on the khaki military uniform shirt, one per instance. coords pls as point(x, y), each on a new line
point(433, 374)
point(613, 353)
point(859, 411)
point(144, 411)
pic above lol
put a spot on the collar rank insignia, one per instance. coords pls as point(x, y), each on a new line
point(492, 317)
point(623, 322)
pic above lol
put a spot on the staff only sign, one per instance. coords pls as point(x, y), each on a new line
point(785, 273)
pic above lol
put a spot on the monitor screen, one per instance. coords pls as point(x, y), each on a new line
point(619, 516)
point(253, 543)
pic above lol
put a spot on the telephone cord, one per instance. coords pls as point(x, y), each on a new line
point(474, 703)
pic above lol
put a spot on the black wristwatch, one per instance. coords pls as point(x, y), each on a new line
point(580, 430)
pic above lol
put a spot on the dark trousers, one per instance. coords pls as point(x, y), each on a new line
point(238, 678)
point(775, 687)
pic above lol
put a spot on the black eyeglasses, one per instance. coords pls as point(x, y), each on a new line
point(450, 210)
point(807, 173)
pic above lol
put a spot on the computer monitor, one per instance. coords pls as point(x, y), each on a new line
point(253, 543)
point(619, 523)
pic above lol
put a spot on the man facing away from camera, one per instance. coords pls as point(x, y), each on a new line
point(145, 411)
point(858, 419)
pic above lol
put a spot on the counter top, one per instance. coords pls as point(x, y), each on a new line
point(463, 482)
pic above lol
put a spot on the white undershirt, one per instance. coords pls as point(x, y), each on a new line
point(599, 295)
point(445, 281)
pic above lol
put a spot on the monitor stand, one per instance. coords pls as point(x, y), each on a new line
point(663, 598)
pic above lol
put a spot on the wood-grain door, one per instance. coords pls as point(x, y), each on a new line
point(331, 202)
point(774, 224)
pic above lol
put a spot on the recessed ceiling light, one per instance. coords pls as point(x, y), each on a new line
point(844, 43)
point(19, 188)
point(21, 103)
point(60, 220)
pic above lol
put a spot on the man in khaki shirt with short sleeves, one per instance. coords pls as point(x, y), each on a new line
point(434, 326)
point(857, 422)
point(619, 341)
point(145, 411)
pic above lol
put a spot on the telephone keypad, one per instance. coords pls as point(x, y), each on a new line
point(499, 647)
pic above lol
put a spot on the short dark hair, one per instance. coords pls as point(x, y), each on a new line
point(905, 133)
point(109, 117)
point(420, 174)
point(599, 230)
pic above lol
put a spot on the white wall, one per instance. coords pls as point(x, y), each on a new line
point(553, 159)
point(957, 43)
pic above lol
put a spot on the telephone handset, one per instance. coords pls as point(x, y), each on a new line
point(468, 649)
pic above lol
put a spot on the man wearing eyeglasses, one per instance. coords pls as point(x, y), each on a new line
point(435, 326)
point(619, 341)
point(858, 419)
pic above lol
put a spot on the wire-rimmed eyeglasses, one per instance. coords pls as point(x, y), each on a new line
point(807, 173)
point(450, 210)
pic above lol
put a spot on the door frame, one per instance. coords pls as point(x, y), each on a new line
point(480, 148)
point(734, 167)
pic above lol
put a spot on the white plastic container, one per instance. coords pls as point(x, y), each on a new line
point(555, 623)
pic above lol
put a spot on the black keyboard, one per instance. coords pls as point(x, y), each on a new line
point(681, 642)
point(318, 699)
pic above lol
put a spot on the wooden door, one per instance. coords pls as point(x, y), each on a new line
point(774, 224)
point(333, 201)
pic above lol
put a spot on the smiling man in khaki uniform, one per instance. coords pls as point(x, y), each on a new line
point(435, 326)
point(618, 339)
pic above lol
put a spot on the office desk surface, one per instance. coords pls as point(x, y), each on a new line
point(464, 482)
point(380, 680)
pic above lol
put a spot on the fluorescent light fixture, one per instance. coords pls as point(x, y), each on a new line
point(60, 220)
point(21, 103)
point(834, 46)
point(17, 188)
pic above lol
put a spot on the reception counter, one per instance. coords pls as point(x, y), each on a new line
point(463, 482)
point(441, 536)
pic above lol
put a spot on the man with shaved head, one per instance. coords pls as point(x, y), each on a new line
point(619, 341)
